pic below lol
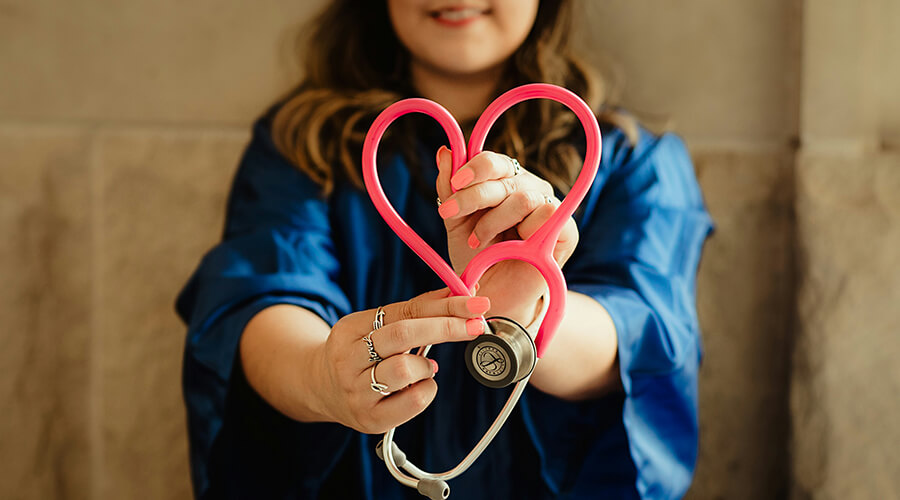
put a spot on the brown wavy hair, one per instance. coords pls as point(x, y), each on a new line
point(355, 67)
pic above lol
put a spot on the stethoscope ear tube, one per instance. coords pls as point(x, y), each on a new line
point(394, 458)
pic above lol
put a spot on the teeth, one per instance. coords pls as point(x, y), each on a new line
point(458, 15)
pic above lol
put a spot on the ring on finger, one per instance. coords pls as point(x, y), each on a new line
point(373, 356)
point(439, 202)
point(376, 386)
point(548, 200)
point(379, 316)
point(517, 169)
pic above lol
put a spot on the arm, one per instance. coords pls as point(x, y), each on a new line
point(277, 352)
point(580, 362)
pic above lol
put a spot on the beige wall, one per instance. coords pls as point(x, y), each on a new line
point(118, 119)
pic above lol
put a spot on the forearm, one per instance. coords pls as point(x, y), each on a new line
point(580, 362)
point(280, 359)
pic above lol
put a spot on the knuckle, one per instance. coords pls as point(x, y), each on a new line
point(482, 191)
point(346, 384)
point(545, 187)
point(510, 185)
point(448, 307)
point(526, 200)
point(400, 332)
point(420, 398)
point(500, 164)
point(403, 370)
point(408, 309)
point(448, 328)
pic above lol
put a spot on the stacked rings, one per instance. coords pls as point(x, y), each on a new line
point(373, 355)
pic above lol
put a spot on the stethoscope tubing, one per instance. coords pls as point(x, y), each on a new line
point(537, 250)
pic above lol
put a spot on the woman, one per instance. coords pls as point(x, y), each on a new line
point(277, 373)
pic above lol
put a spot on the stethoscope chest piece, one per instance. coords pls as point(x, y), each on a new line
point(503, 356)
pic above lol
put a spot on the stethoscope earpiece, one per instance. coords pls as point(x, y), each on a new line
point(503, 356)
point(435, 489)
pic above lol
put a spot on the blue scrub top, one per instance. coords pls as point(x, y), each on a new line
point(642, 229)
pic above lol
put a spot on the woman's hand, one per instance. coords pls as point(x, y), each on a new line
point(493, 203)
point(344, 379)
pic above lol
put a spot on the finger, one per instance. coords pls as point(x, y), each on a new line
point(410, 333)
point(513, 210)
point(484, 166)
point(566, 243)
point(426, 306)
point(568, 236)
point(445, 164)
point(537, 218)
point(400, 407)
point(490, 193)
point(397, 372)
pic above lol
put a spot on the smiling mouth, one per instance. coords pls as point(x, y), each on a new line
point(458, 16)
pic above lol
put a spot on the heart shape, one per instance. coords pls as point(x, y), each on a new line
point(537, 250)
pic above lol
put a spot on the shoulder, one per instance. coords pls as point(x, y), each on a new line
point(656, 167)
point(269, 189)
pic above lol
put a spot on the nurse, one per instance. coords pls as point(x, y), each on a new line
point(300, 318)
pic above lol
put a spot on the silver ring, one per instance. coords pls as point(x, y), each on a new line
point(379, 318)
point(517, 169)
point(439, 201)
point(373, 356)
point(376, 386)
point(548, 200)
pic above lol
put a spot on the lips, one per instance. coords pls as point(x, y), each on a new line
point(458, 15)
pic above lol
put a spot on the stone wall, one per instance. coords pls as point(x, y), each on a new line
point(121, 125)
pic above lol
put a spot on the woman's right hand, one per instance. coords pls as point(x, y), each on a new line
point(345, 394)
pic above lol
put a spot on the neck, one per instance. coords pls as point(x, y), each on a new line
point(464, 96)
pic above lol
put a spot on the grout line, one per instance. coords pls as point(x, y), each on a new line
point(95, 385)
point(738, 146)
point(128, 125)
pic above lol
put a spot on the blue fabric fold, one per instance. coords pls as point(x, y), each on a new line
point(642, 228)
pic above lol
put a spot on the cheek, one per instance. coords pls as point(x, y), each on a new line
point(406, 19)
point(514, 19)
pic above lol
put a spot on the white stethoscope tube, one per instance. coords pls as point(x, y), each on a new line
point(433, 485)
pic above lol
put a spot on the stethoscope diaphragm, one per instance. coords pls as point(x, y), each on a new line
point(503, 355)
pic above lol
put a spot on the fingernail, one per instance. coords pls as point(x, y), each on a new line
point(473, 240)
point(434, 364)
point(478, 305)
point(462, 178)
point(474, 326)
point(448, 209)
point(477, 286)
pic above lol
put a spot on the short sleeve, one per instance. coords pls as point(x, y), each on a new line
point(277, 248)
point(642, 229)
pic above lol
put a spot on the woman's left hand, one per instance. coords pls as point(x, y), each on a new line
point(494, 202)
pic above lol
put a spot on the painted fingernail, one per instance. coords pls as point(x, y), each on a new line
point(434, 364)
point(448, 208)
point(474, 326)
point(478, 305)
point(473, 240)
point(462, 178)
point(477, 286)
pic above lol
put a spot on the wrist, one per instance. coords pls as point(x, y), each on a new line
point(318, 386)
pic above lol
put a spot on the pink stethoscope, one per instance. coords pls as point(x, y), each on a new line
point(506, 353)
